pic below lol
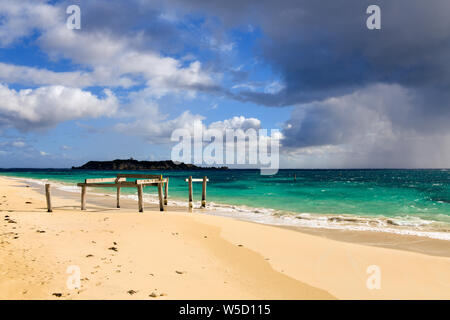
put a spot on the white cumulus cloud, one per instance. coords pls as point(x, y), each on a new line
point(44, 107)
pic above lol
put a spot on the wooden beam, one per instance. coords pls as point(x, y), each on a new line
point(121, 184)
point(109, 185)
point(118, 197)
point(166, 191)
point(138, 176)
point(104, 180)
point(83, 198)
point(196, 180)
point(204, 192)
point(160, 195)
point(47, 196)
point(190, 193)
point(140, 200)
point(147, 181)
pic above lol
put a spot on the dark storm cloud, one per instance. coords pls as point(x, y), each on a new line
point(122, 18)
point(323, 48)
point(320, 48)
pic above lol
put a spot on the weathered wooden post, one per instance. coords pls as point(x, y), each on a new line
point(140, 200)
point(47, 196)
point(83, 198)
point(204, 192)
point(166, 191)
point(118, 197)
point(160, 195)
point(190, 193)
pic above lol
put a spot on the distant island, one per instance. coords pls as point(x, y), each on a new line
point(132, 164)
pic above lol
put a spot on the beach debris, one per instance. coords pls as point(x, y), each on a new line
point(28, 202)
point(115, 243)
point(131, 292)
point(40, 231)
point(180, 272)
point(57, 294)
point(89, 256)
point(113, 249)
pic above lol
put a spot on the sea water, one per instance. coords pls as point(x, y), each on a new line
point(402, 201)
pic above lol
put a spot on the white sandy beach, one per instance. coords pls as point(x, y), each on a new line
point(123, 254)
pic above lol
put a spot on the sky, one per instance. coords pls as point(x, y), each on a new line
point(342, 96)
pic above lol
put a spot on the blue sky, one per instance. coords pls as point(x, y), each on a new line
point(342, 95)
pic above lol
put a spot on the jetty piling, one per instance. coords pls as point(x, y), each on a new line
point(204, 192)
point(48, 197)
point(190, 180)
point(118, 197)
point(190, 193)
point(166, 191)
point(140, 198)
point(83, 198)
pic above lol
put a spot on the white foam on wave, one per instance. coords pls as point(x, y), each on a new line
point(404, 225)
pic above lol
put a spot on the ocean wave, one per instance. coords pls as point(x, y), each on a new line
point(402, 225)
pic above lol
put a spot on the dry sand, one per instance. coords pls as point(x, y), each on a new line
point(123, 254)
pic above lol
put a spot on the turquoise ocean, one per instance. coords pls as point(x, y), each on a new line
point(413, 202)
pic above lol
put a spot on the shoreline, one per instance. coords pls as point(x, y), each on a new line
point(379, 238)
point(181, 255)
